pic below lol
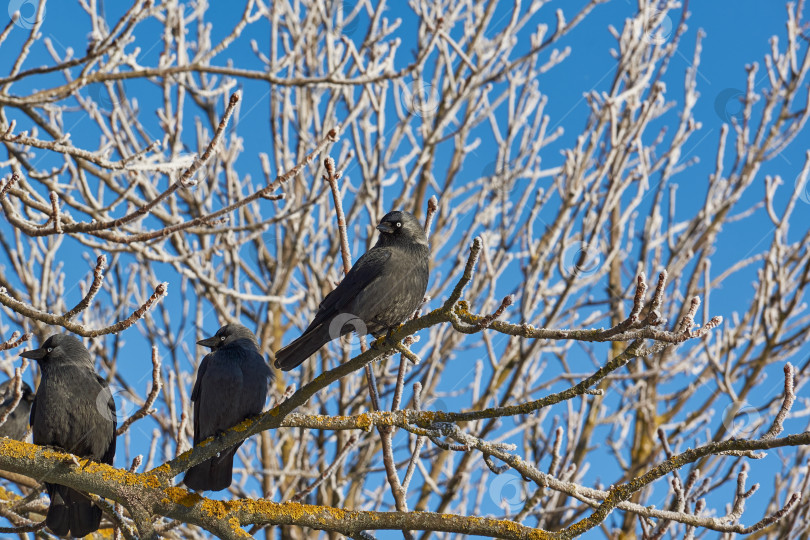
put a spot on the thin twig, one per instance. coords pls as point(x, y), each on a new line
point(95, 286)
point(146, 409)
point(328, 471)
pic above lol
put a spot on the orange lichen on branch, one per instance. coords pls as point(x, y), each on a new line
point(462, 309)
point(17, 449)
point(364, 422)
point(8, 496)
point(163, 471)
point(235, 526)
point(245, 424)
point(25, 454)
point(181, 496)
point(226, 518)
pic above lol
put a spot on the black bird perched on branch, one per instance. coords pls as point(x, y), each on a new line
point(16, 423)
point(232, 383)
point(73, 410)
point(383, 288)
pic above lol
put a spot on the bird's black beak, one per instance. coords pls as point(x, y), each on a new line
point(209, 342)
point(34, 354)
point(385, 227)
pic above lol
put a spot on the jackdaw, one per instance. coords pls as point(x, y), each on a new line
point(382, 289)
point(231, 385)
point(16, 423)
point(73, 410)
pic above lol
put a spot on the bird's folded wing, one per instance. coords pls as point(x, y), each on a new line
point(195, 392)
point(216, 409)
point(109, 454)
point(363, 274)
point(195, 396)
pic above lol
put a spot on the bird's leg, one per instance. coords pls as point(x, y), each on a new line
point(70, 458)
point(75, 461)
point(218, 434)
point(379, 341)
point(383, 339)
point(389, 333)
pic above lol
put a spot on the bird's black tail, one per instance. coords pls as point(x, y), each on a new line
point(291, 356)
point(71, 513)
point(212, 474)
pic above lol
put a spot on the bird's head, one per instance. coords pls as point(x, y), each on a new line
point(401, 227)
point(226, 335)
point(61, 348)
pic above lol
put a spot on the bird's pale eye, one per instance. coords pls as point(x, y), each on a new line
point(399, 224)
point(222, 338)
point(50, 349)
